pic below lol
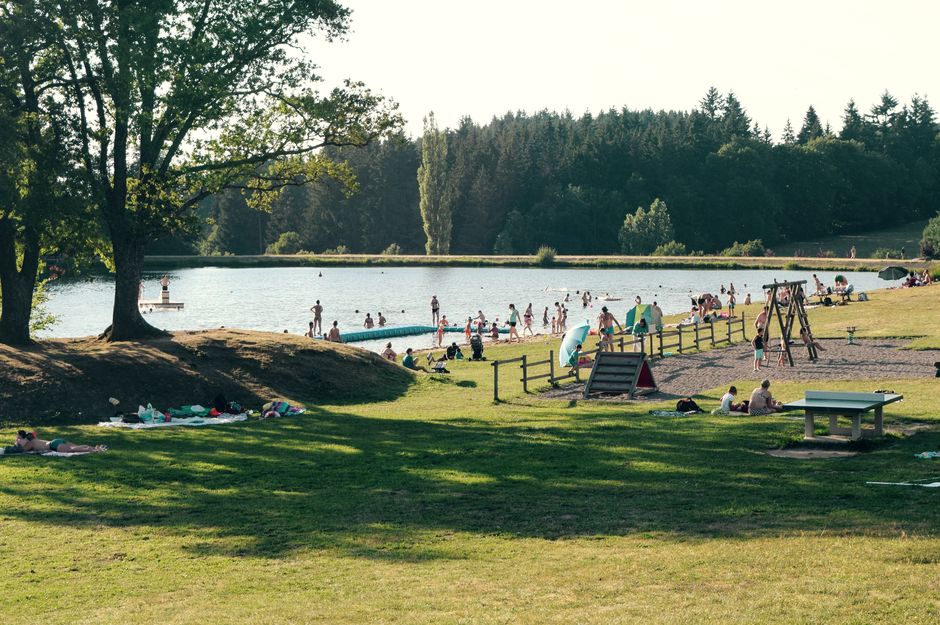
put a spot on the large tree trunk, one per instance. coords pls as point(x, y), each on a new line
point(16, 285)
point(126, 321)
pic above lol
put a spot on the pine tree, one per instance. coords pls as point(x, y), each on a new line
point(435, 190)
point(788, 137)
point(853, 126)
point(734, 119)
point(811, 129)
point(711, 104)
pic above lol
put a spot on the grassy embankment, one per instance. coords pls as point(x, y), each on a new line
point(435, 505)
point(904, 235)
point(561, 262)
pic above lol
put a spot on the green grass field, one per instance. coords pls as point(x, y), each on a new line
point(905, 235)
point(439, 506)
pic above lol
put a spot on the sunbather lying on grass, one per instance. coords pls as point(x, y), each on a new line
point(29, 442)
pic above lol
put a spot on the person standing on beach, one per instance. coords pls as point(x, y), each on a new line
point(605, 328)
point(527, 321)
point(317, 311)
point(758, 344)
point(513, 321)
point(852, 252)
point(435, 310)
point(468, 329)
point(545, 317)
point(657, 314)
point(440, 330)
point(731, 303)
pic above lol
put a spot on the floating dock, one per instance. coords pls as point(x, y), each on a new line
point(384, 333)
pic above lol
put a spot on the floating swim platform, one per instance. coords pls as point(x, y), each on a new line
point(386, 333)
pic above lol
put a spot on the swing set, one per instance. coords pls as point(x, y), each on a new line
point(795, 311)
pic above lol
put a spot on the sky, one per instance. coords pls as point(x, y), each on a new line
point(485, 58)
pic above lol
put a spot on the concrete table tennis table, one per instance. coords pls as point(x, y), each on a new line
point(836, 404)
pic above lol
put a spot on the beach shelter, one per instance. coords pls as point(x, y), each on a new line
point(569, 343)
point(640, 311)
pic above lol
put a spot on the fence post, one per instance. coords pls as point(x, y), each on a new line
point(729, 331)
point(551, 366)
point(711, 331)
point(696, 337)
point(496, 380)
point(525, 375)
point(743, 327)
point(679, 330)
point(621, 344)
point(661, 343)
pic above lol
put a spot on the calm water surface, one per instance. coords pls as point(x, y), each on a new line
point(275, 299)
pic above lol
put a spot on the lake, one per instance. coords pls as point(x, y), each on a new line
point(277, 299)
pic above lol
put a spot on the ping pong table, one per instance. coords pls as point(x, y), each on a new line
point(843, 404)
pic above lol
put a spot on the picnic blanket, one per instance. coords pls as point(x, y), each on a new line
point(671, 413)
point(175, 422)
point(926, 455)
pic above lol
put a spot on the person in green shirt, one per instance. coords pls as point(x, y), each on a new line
point(640, 329)
point(409, 362)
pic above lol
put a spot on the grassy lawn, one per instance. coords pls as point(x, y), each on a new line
point(443, 507)
point(903, 235)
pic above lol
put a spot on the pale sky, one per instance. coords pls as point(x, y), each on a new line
point(485, 58)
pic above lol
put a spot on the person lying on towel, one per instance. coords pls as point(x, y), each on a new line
point(29, 442)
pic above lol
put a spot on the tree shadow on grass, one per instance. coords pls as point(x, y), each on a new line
point(386, 488)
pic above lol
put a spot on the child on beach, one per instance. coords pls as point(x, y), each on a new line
point(468, 329)
point(494, 332)
point(758, 343)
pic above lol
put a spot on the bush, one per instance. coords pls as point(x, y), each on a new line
point(749, 248)
point(930, 239)
point(392, 250)
point(672, 248)
point(886, 253)
point(336, 251)
point(545, 256)
point(288, 243)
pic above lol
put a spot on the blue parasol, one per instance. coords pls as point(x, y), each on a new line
point(569, 343)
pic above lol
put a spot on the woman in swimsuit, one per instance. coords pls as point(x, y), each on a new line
point(440, 330)
point(527, 321)
point(513, 320)
point(29, 442)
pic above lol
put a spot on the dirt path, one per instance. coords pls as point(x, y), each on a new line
point(873, 359)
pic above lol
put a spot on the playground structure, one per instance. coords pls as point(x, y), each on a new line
point(795, 311)
point(620, 372)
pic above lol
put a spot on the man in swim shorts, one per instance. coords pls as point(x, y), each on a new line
point(605, 328)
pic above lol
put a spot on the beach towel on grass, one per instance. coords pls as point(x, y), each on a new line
point(50, 454)
point(192, 421)
point(926, 455)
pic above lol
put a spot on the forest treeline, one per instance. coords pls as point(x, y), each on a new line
point(522, 181)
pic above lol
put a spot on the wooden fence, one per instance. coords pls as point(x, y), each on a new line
point(665, 342)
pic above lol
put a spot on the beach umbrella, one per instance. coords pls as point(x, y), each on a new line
point(569, 342)
point(633, 316)
point(892, 273)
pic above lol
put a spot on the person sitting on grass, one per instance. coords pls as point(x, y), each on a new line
point(494, 332)
point(762, 402)
point(409, 362)
point(926, 278)
point(727, 403)
point(29, 442)
point(388, 353)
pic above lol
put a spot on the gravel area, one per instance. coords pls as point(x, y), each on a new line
point(688, 374)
